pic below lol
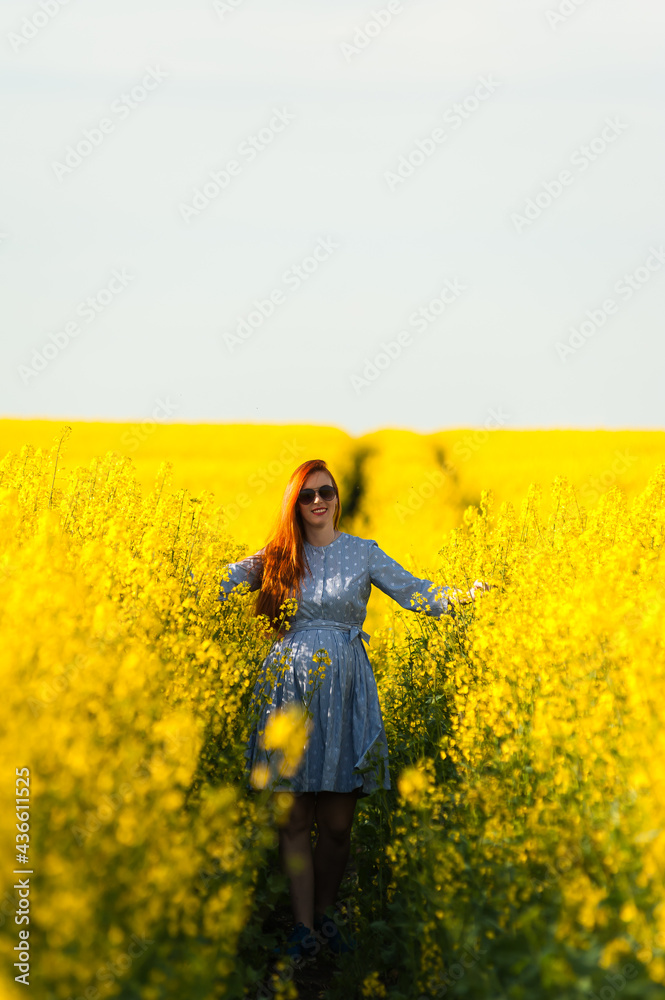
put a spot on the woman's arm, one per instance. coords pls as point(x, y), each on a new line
point(247, 570)
point(395, 581)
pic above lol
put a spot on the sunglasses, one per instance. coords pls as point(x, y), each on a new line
point(327, 493)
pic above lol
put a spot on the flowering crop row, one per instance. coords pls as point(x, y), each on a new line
point(521, 850)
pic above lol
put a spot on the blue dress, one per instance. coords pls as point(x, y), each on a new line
point(347, 746)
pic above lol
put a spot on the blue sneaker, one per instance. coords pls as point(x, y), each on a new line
point(328, 930)
point(300, 944)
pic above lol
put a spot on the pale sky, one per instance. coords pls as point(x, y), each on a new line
point(425, 212)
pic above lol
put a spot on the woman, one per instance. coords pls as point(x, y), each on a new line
point(331, 574)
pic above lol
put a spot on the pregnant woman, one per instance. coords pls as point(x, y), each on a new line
point(346, 757)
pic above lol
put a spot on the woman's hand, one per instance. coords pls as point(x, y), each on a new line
point(464, 596)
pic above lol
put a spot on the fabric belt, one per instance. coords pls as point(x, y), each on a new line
point(315, 623)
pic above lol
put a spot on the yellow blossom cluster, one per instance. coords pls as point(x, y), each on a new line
point(126, 697)
point(521, 848)
point(544, 704)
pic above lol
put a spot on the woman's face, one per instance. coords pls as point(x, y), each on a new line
point(320, 511)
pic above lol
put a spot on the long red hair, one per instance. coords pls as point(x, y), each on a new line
point(284, 563)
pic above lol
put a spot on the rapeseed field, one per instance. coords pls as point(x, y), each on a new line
point(520, 853)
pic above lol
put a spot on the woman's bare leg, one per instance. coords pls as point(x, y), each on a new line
point(334, 818)
point(295, 851)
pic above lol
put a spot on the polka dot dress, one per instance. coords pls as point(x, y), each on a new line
point(347, 745)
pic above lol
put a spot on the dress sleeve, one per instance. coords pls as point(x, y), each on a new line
point(247, 570)
point(398, 583)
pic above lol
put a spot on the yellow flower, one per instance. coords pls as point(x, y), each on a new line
point(412, 785)
point(372, 987)
point(536, 715)
point(260, 776)
point(287, 731)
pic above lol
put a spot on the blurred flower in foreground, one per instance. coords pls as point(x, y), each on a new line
point(260, 776)
point(287, 731)
point(413, 785)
